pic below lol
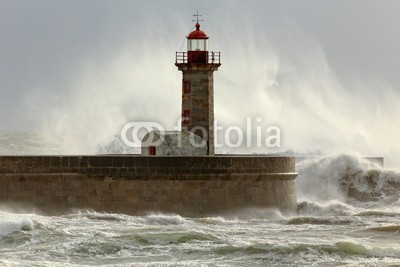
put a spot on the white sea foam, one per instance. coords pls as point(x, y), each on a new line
point(10, 223)
point(165, 219)
point(89, 237)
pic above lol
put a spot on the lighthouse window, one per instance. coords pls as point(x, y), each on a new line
point(186, 116)
point(186, 87)
point(197, 44)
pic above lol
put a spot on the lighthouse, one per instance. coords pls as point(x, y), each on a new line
point(198, 65)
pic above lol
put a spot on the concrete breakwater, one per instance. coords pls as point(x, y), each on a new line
point(189, 186)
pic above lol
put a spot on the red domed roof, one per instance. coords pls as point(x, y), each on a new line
point(197, 34)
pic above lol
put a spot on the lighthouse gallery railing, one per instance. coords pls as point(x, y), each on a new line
point(213, 57)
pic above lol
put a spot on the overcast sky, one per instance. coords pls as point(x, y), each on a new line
point(70, 62)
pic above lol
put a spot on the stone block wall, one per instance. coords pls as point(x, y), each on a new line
point(190, 186)
point(199, 100)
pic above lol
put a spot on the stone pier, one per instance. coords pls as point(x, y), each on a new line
point(189, 186)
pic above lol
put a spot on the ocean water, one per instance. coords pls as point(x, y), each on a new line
point(348, 214)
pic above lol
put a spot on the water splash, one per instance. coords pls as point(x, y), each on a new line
point(347, 180)
point(10, 223)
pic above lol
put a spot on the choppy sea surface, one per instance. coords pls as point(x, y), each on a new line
point(348, 214)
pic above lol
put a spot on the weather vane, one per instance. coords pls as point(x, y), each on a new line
point(197, 17)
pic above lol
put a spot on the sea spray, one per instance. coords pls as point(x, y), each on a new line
point(346, 182)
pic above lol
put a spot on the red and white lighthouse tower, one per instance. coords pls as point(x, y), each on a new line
point(197, 66)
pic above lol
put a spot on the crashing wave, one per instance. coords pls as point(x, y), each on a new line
point(348, 179)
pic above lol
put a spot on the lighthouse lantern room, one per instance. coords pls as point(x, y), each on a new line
point(197, 46)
